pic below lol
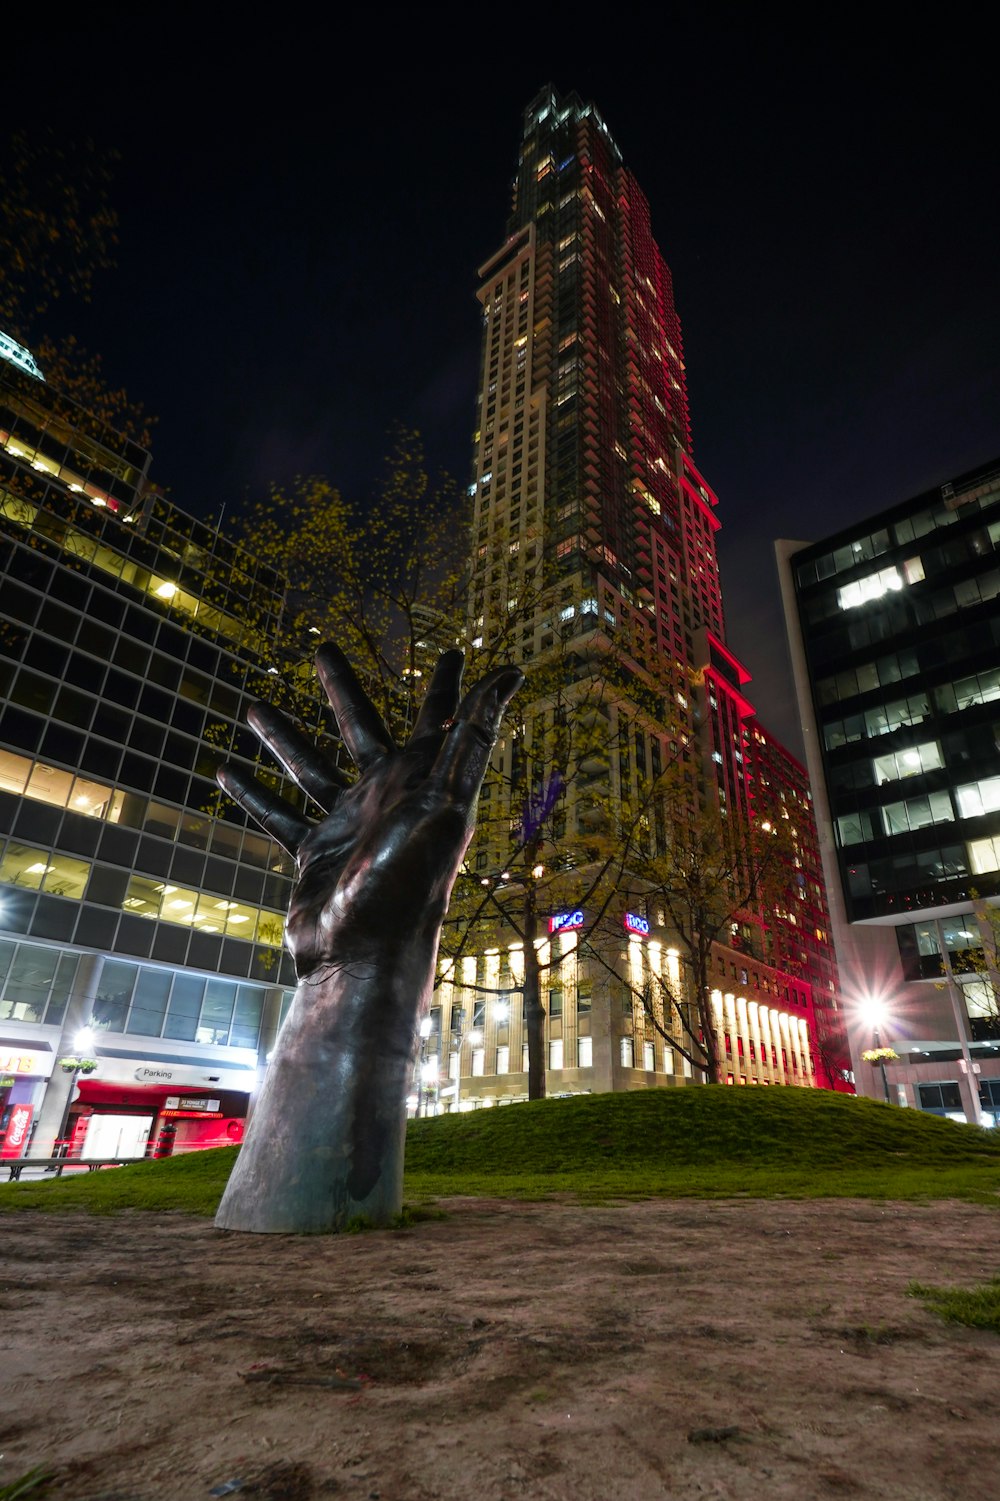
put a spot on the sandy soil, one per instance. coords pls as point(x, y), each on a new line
point(685, 1349)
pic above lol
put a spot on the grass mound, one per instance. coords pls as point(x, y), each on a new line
point(704, 1141)
point(696, 1142)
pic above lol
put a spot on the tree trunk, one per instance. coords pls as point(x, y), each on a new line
point(534, 1012)
point(709, 1031)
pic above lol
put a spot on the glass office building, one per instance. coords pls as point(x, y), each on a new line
point(894, 627)
point(136, 905)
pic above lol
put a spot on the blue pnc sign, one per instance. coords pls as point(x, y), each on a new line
point(561, 921)
point(636, 924)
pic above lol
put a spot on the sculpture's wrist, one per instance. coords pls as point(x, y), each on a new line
point(360, 973)
point(363, 950)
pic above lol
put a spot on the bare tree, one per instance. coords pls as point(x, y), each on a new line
point(58, 236)
point(564, 812)
point(711, 884)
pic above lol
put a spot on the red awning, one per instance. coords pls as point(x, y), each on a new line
point(132, 1096)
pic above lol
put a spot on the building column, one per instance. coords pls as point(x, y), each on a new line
point(756, 1067)
point(968, 1077)
point(79, 1012)
point(270, 1026)
point(568, 978)
point(784, 1048)
point(764, 1047)
point(731, 1053)
point(796, 1056)
point(744, 1030)
point(805, 1054)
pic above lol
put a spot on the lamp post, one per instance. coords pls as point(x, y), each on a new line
point(83, 1042)
point(881, 1064)
point(425, 1072)
point(526, 884)
point(878, 1054)
point(473, 1037)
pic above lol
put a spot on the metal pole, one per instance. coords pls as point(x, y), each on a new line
point(458, 1070)
point(881, 1064)
point(61, 1142)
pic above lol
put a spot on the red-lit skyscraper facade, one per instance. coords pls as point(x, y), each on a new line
point(587, 500)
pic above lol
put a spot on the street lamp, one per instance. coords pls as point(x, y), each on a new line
point(875, 1015)
point(474, 1038)
point(426, 1070)
point(83, 1042)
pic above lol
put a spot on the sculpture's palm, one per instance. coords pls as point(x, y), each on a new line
point(392, 843)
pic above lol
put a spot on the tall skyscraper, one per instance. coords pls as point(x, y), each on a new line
point(583, 442)
point(594, 534)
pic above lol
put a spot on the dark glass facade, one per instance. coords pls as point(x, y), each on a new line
point(894, 627)
point(126, 667)
point(900, 623)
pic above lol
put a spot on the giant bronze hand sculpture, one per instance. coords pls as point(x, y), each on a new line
point(325, 1141)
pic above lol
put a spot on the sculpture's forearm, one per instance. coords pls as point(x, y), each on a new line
point(328, 1131)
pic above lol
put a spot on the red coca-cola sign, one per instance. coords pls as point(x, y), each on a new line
point(17, 1130)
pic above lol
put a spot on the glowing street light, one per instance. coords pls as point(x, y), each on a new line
point(874, 1013)
point(427, 1072)
point(80, 1064)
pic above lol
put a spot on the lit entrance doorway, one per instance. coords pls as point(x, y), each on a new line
point(117, 1136)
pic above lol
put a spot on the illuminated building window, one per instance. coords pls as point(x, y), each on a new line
point(202, 911)
point(976, 798)
point(60, 789)
point(984, 855)
point(861, 591)
point(35, 982)
point(908, 763)
point(917, 813)
point(36, 869)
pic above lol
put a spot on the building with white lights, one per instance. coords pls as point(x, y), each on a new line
point(894, 628)
point(136, 907)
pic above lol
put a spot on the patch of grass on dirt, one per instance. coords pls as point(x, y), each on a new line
point(978, 1307)
point(35, 1484)
point(706, 1142)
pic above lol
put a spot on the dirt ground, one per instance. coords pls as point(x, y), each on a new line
point(685, 1349)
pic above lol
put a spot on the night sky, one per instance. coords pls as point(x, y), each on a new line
point(301, 225)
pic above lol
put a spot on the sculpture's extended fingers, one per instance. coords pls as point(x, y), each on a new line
point(441, 700)
point(462, 760)
point(303, 762)
point(275, 816)
point(361, 729)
